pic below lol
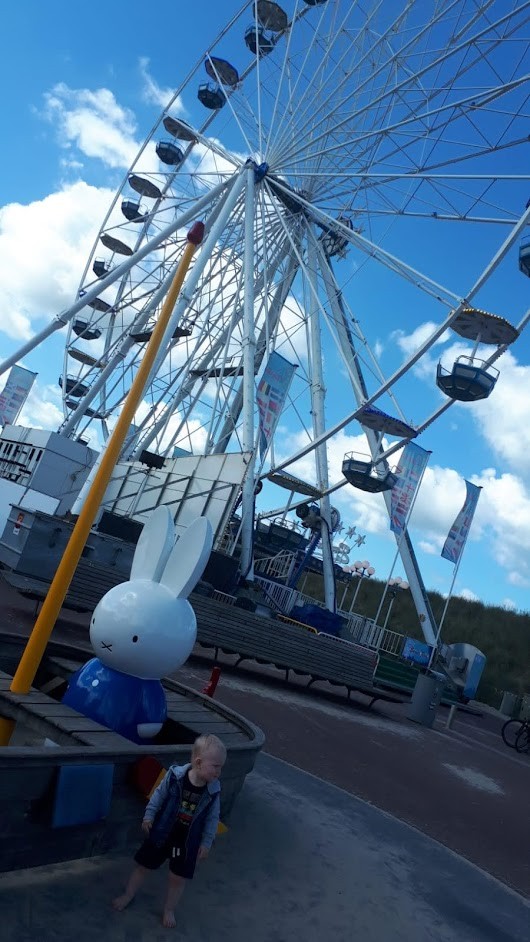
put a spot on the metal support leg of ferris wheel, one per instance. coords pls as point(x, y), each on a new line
point(408, 557)
point(249, 350)
point(268, 330)
point(319, 422)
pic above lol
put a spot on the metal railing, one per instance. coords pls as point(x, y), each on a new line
point(358, 629)
point(279, 566)
point(281, 595)
point(374, 636)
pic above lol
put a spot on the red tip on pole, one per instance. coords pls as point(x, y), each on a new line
point(196, 233)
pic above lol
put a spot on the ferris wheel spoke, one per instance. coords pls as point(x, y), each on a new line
point(451, 112)
point(287, 115)
point(318, 109)
point(467, 45)
point(390, 60)
point(208, 349)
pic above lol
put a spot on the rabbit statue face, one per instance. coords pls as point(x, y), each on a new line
point(146, 627)
point(140, 628)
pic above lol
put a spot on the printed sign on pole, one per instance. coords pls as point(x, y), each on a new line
point(15, 393)
point(458, 533)
point(271, 394)
point(412, 464)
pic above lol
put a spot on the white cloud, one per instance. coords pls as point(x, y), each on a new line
point(467, 594)
point(94, 122)
point(44, 247)
point(502, 518)
point(409, 343)
point(515, 578)
point(439, 499)
point(429, 548)
point(69, 164)
point(509, 604)
point(212, 164)
point(42, 408)
point(155, 94)
point(503, 418)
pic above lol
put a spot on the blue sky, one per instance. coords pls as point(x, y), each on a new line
point(74, 80)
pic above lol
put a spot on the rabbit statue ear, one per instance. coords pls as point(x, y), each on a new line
point(154, 546)
point(188, 559)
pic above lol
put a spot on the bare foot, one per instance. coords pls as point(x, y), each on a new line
point(121, 902)
point(168, 919)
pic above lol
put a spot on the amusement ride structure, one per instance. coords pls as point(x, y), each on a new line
point(327, 131)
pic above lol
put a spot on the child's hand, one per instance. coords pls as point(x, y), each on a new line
point(203, 852)
point(146, 826)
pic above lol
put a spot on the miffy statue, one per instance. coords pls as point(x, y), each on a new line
point(142, 630)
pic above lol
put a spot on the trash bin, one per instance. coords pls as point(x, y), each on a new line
point(509, 703)
point(425, 699)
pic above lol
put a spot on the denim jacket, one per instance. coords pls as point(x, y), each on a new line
point(164, 804)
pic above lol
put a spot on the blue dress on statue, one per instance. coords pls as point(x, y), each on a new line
point(116, 700)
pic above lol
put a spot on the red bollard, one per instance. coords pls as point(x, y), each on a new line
point(209, 690)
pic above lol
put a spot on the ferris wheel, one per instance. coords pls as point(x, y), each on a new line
point(323, 131)
point(353, 119)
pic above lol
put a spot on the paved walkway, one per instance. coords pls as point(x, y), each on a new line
point(303, 860)
point(464, 788)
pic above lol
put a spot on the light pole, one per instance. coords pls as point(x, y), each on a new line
point(346, 587)
point(394, 586)
point(361, 570)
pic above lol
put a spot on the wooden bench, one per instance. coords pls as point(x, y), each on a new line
point(287, 647)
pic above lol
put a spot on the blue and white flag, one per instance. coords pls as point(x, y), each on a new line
point(458, 533)
point(409, 472)
point(15, 393)
point(271, 394)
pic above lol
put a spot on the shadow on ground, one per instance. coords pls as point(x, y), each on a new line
point(302, 860)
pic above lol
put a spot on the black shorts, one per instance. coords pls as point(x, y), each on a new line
point(152, 857)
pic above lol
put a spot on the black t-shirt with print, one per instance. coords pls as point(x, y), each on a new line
point(191, 795)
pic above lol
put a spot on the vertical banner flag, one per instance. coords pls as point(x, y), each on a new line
point(272, 391)
point(411, 466)
point(15, 393)
point(458, 533)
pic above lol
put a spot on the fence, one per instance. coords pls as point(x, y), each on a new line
point(365, 632)
point(280, 595)
point(279, 566)
point(358, 629)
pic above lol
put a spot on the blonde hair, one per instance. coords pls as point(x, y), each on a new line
point(205, 743)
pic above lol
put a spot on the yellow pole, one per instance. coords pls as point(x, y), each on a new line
point(31, 658)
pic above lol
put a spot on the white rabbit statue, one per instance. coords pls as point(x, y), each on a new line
point(142, 630)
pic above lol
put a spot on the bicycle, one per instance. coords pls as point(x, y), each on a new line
point(516, 734)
